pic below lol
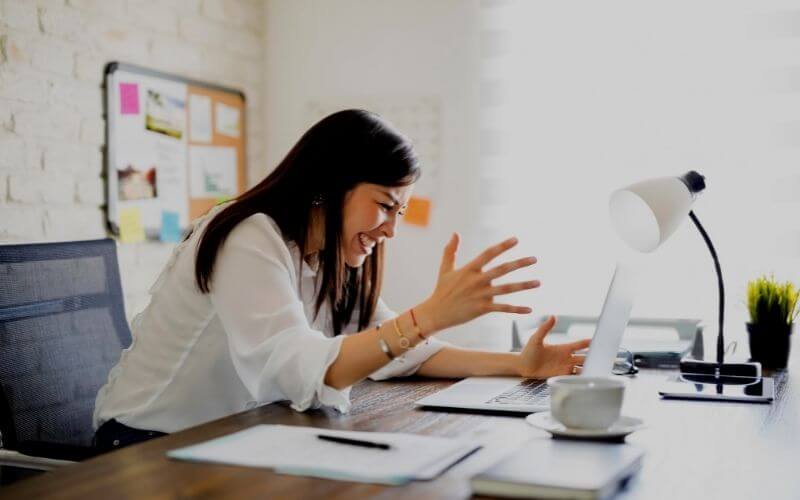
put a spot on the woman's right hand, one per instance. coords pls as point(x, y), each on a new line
point(466, 293)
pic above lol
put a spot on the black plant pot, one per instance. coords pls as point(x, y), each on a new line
point(770, 344)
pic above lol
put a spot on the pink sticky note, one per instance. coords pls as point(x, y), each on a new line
point(129, 98)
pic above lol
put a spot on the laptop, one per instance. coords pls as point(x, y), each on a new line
point(514, 394)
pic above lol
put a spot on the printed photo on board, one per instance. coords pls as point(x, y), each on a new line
point(137, 183)
point(165, 115)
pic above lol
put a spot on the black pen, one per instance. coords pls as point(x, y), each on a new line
point(354, 442)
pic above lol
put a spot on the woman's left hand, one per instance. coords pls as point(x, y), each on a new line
point(539, 360)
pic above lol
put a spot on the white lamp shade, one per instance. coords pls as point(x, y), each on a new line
point(645, 214)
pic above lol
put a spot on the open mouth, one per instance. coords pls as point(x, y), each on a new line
point(366, 243)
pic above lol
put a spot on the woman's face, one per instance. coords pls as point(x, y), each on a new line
point(370, 216)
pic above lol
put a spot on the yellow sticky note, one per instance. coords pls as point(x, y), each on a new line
point(130, 225)
point(418, 211)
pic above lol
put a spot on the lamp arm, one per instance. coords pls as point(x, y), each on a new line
point(720, 337)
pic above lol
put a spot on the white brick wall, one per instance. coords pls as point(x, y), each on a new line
point(52, 132)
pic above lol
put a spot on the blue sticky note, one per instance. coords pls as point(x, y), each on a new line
point(170, 228)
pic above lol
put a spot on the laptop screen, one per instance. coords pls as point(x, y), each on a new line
point(611, 324)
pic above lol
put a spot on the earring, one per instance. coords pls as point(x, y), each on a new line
point(318, 200)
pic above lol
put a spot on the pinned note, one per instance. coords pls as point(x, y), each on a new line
point(170, 228)
point(129, 98)
point(130, 225)
point(200, 118)
point(418, 211)
point(227, 120)
point(212, 171)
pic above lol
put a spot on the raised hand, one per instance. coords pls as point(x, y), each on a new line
point(540, 360)
point(465, 293)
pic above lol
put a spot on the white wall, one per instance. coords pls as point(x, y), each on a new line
point(359, 53)
point(598, 95)
point(52, 56)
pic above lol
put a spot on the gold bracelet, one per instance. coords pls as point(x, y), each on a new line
point(404, 342)
point(383, 344)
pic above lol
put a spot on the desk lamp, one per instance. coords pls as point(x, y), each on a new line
point(645, 214)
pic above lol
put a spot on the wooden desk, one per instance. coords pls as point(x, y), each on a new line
point(694, 450)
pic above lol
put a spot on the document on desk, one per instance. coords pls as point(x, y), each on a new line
point(300, 451)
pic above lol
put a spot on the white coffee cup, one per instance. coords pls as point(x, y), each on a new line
point(581, 402)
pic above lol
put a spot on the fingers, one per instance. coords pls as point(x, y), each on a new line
point(543, 330)
point(506, 268)
point(578, 345)
point(449, 256)
point(508, 308)
point(512, 287)
point(490, 253)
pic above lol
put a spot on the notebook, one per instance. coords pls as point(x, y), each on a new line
point(298, 450)
point(553, 468)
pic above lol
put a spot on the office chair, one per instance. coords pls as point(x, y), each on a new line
point(62, 328)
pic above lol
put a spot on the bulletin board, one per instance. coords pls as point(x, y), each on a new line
point(175, 148)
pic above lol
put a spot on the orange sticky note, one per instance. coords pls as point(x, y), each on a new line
point(130, 225)
point(418, 211)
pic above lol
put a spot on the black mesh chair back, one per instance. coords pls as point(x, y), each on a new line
point(62, 329)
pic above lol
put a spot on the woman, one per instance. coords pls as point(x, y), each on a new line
point(275, 296)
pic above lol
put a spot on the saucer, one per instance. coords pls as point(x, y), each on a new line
point(620, 428)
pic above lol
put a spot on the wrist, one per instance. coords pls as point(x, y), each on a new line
point(516, 365)
point(425, 314)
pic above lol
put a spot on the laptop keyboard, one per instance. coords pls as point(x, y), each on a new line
point(527, 392)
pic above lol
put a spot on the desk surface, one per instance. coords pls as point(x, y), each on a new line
point(694, 450)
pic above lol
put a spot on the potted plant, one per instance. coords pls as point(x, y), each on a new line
point(773, 306)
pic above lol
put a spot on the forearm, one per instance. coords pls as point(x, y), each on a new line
point(361, 353)
point(453, 362)
point(359, 356)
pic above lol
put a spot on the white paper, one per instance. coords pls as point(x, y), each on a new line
point(227, 122)
point(200, 118)
point(297, 450)
point(212, 171)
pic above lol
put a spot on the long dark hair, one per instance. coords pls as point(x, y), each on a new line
point(334, 156)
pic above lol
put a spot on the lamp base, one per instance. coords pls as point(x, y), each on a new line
point(711, 372)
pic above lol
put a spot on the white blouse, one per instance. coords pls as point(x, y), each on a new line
point(251, 341)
